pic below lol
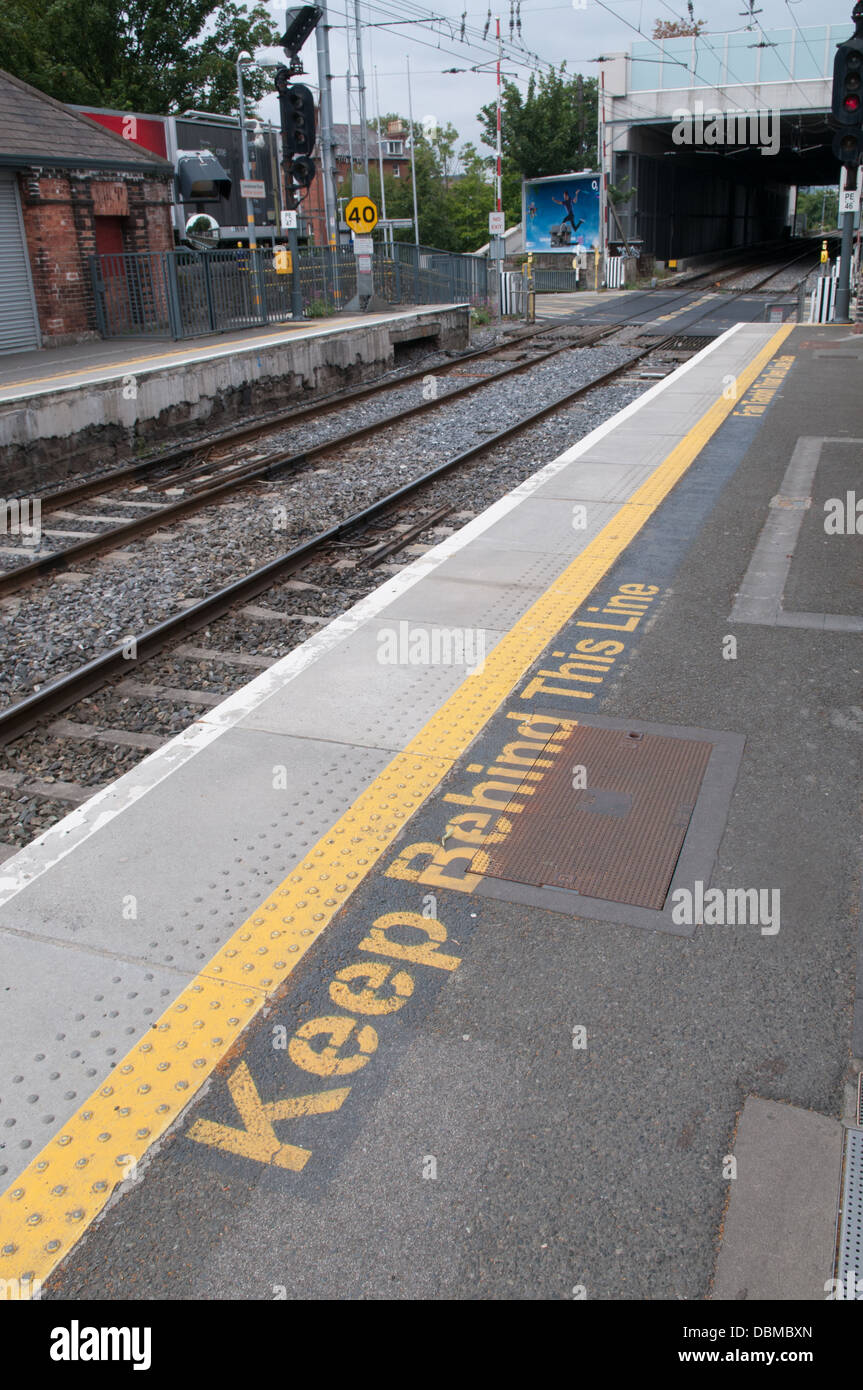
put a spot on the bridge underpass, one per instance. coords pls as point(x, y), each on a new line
point(716, 133)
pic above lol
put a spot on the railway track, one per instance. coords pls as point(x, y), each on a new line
point(728, 274)
point(177, 485)
point(373, 535)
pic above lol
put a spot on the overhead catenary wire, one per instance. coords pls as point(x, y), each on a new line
point(390, 9)
point(800, 31)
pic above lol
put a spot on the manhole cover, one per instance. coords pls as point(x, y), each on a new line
point(608, 819)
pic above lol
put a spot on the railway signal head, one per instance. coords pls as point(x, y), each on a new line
point(300, 22)
point(303, 169)
point(848, 147)
point(297, 108)
point(848, 83)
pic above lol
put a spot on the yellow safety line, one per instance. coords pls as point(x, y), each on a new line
point(66, 1186)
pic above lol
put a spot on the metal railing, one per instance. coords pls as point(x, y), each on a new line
point(185, 293)
point(406, 274)
point(555, 281)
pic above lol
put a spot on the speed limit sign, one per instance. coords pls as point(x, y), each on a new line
point(361, 214)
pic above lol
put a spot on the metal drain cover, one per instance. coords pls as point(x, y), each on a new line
point(608, 819)
point(851, 1229)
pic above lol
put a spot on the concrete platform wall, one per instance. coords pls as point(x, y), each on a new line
point(53, 435)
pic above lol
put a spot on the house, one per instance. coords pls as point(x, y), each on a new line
point(393, 149)
point(69, 190)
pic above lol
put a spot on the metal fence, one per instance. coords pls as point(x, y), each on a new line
point(555, 281)
point(406, 274)
point(185, 293)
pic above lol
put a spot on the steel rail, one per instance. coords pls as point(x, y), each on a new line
point(75, 685)
point(136, 472)
point(23, 575)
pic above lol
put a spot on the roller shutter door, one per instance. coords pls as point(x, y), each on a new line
point(19, 325)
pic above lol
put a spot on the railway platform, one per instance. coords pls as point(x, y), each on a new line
point(500, 941)
point(63, 410)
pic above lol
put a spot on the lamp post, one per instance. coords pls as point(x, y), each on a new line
point(247, 168)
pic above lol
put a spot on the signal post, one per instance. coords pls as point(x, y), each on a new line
point(847, 118)
point(361, 215)
point(297, 113)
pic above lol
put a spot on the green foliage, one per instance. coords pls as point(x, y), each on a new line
point(454, 192)
point(319, 309)
point(809, 205)
point(471, 199)
point(677, 29)
point(550, 130)
point(622, 194)
point(137, 55)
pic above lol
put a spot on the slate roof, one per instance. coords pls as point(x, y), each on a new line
point(37, 130)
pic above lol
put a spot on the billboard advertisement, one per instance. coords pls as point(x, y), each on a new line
point(561, 213)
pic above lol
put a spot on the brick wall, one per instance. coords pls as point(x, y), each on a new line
point(59, 224)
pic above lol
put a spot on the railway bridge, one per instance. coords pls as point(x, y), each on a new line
point(712, 135)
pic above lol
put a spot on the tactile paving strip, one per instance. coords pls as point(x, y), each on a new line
point(618, 836)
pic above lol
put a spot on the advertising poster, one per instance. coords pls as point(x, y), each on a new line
point(561, 213)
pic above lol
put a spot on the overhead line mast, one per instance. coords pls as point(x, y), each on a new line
point(498, 176)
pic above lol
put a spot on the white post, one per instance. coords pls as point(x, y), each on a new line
point(381, 155)
point(244, 138)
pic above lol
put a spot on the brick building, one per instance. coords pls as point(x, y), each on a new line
point(69, 189)
point(393, 150)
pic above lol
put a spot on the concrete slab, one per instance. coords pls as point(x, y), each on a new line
point(368, 691)
point(137, 897)
point(607, 480)
point(546, 524)
point(138, 920)
point(98, 1004)
point(25, 375)
point(779, 1234)
point(485, 585)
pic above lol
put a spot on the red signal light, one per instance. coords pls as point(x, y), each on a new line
point(851, 103)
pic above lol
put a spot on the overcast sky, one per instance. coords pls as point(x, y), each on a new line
point(577, 31)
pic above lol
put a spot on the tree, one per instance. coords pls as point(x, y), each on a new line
point(550, 130)
point(819, 207)
point(471, 199)
point(677, 28)
point(454, 195)
point(138, 55)
point(443, 140)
